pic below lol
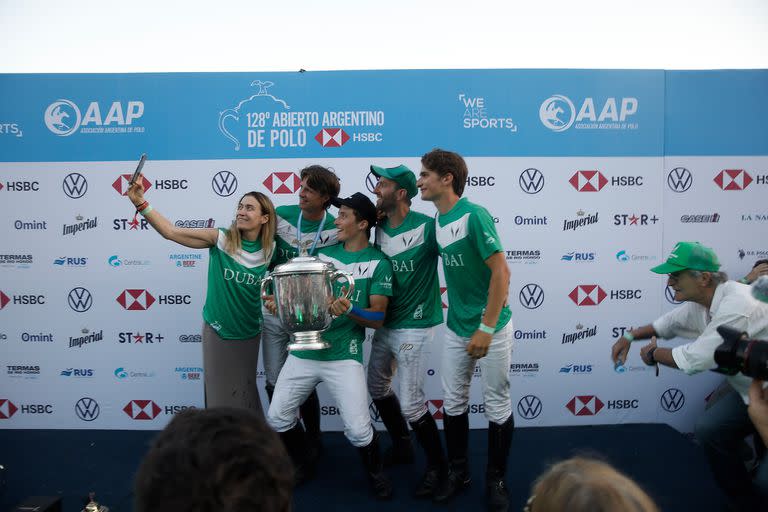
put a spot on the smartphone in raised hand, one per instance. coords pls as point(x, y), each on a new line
point(138, 169)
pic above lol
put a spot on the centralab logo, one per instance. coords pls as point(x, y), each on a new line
point(64, 118)
point(558, 113)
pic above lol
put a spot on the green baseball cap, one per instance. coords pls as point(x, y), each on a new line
point(401, 175)
point(689, 255)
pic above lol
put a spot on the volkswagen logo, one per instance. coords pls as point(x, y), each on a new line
point(531, 181)
point(80, 299)
point(374, 412)
point(679, 179)
point(669, 293)
point(529, 407)
point(75, 185)
point(672, 400)
point(224, 183)
point(531, 296)
point(87, 409)
point(370, 182)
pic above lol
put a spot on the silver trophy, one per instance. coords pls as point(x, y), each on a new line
point(303, 290)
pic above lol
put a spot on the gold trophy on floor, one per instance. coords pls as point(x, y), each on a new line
point(92, 506)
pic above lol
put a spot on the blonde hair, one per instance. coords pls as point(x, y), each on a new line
point(580, 485)
point(233, 241)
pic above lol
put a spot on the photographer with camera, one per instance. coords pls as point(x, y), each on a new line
point(710, 300)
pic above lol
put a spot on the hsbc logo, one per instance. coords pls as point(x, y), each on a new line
point(733, 179)
point(679, 179)
point(587, 295)
point(80, 299)
point(4, 300)
point(142, 409)
point(7, 409)
point(672, 400)
point(122, 183)
point(87, 409)
point(224, 183)
point(531, 296)
point(282, 182)
point(585, 405)
point(529, 407)
point(443, 296)
point(588, 181)
point(135, 299)
point(332, 137)
point(531, 181)
point(435, 408)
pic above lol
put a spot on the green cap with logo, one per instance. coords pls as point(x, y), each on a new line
point(689, 256)
point(401, 175)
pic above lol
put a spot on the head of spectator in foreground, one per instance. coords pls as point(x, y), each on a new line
point(693, 272)
point(586, 485)
point(215, 460)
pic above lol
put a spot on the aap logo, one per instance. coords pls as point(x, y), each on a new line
point(557, 113)
point(672, 400)
point(531, 296)
point(679, 179)
point(62, 117)
point(87, 409)
point(529, 407)
point(531, 181)
point(74, 185)
point(224, 183)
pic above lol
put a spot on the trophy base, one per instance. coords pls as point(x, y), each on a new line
point(309, 340)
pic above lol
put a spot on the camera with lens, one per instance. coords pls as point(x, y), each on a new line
point(737, 354)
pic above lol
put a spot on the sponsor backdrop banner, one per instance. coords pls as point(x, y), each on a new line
point(590, 175)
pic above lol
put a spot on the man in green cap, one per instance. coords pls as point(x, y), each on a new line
point(709, 300)
point(408, 239)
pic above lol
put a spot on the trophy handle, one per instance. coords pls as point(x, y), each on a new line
point(350, 280)
point(264, 282)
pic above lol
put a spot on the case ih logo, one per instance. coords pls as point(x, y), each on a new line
point(435, 408)
point(332, 137)
point(142, 409)
point(585, 405)
point(135, 300)
point(4, 300)
point(733, 179)
point(444, 296)
point(588, 181)
point(8, 409)
point(121, 183)
point(587, 295)
point(282, 182)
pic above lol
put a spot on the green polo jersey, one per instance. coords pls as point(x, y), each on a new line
point(372, 273)
point(412, 249)
point(286, 236)
point(466, 237)
point(233, 301)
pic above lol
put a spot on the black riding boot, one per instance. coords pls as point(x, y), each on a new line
point(429, 438)
point(456, 437)
point(401, 451)
point(380, 484)
point(499, 441)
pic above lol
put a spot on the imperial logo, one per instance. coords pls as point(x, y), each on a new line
point(122, 182)
point(332, 137)
point(81, 225)
point(587, 295)
point(529, 407)
point(672, 400)
point(582, 219)
point(135, 299)
point(74, 185)
point(679, 179)
point(585, 405)
point(435, 408)
point(588, 181)
point(282, 182)
point(7, 409)
point(531, 181)
point(580, 334)
point(142, 409)
point(733, 179)
point(86, 338)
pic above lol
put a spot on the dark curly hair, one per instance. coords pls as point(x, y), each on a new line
point(215, 460)
point(447, 162)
